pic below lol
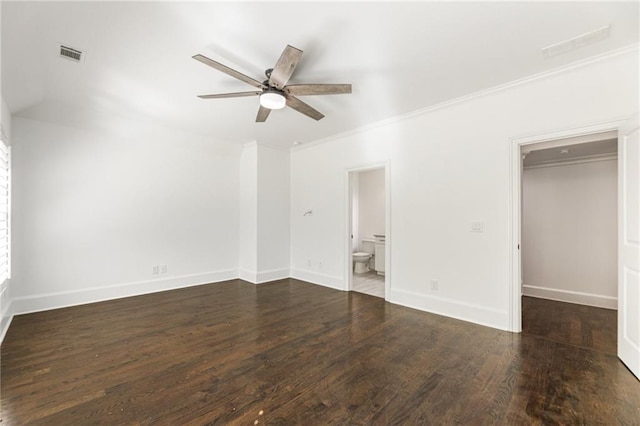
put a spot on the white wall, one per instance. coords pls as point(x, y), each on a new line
point(371, 204)
point(264, 214)
point(570, 234)
point(248, 213)
point(449, 166)
point(273, 230)
point(95, 211)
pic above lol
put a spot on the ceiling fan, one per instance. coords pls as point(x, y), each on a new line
point(274, 92)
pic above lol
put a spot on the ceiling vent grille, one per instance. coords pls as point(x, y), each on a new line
point(70, 53)
point(577, 42)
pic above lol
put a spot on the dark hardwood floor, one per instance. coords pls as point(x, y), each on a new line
point(579, 325)
point(289, 352)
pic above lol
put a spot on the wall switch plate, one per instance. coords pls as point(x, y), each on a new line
point(163, 269)
point(434, 285)
point(154, 270)
point(477, 226)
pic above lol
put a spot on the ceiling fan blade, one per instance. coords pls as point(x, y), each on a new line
point(229, 71)
point(317, 89)
point(263, 113)
point(285, 66)
point(303, 108)
point(229, 95)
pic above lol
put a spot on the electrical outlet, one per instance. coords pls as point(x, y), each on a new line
point(434, 285)
point(477, 227)
point(155, 270)
point(163, 269)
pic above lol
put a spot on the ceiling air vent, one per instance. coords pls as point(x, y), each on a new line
point(70, 53)
point(576, 42)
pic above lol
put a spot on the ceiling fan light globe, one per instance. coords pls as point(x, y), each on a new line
point(273, 100)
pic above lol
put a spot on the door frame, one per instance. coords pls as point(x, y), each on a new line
point(515, 214)
point(348, 270)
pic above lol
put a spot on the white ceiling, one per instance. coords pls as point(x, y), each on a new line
point(400, 57)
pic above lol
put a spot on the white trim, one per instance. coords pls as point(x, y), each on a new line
point(577, 140)
point(264, 276)
point(348, 242)
point(471, 96)
point(7, 317)
point(9, 214)
point(451, 308)
point(47, 301)
point(388, 234)
point(247, 275)
point(331, 281)
point(570, 133)
point(515, 180)
point(568, 296)
point(582, 160)
point(273, 275)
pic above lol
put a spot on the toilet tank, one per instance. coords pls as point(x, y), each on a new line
point(368, 246)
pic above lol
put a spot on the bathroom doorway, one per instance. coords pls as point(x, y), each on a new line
point(368, 236)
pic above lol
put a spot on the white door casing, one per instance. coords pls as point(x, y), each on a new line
point(629, 246)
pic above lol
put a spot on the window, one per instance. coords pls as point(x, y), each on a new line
point(5, 179)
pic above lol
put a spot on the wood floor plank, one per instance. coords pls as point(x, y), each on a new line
point(289, 352)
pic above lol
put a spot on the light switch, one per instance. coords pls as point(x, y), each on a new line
point(477, 226)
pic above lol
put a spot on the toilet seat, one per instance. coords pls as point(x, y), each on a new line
point(361, 254)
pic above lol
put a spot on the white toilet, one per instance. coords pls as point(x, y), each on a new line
point(361, 259)
point(361, 262)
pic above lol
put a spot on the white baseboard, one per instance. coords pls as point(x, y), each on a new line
point(330, 281)
point(44, 302)
point(589, 299)
point(262, 277)
point(450, 308)
point(5, 319)
point(273, 275)
point(249, 276)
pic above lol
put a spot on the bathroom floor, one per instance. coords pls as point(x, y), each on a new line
point(369, 283)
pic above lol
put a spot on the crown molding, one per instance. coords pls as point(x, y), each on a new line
point(579, 160)
point(459, 100)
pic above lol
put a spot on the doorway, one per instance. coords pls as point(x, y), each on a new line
point(368, 238)
point(569, 220)
point(627, 133)
point(544, 147)
point(522, 148)
point(569, 241)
